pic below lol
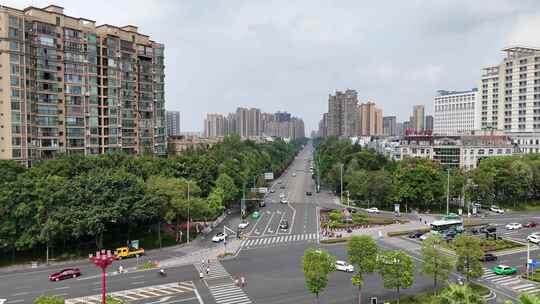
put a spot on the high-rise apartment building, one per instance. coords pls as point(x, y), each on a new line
point(342, 113)
point(390, 126)
point(215, 125)
point(69, 86)
point(369, 120)
point(428, 125)
point(509, 96)
point(455, 112)
point(400, 130)
point(254, 122)
point(242, 122)
point(173, 123)
point(323, 126)
point(417, 119)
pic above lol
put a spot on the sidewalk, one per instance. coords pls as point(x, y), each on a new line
point(195, 248)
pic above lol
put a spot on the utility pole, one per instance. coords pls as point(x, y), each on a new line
point(341, 187)
point(318, 173)
point(243, 202)
point(448, 193)
point(188, 213)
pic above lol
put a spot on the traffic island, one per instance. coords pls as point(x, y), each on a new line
point(429, 297)
point(491, 245)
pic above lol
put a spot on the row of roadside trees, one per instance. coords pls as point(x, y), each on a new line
point(373, 179)
point(397, 269)
point(90, 202)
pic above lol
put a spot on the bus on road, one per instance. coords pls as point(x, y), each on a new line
point(450, 224)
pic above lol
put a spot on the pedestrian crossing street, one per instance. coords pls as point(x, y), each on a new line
point(217, 271)
point(511, 282)
point(225, 290)
point(279, 239)
point(139, 293)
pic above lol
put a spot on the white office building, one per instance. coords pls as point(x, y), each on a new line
point(455, 112)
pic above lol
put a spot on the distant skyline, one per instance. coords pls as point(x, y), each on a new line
point(289, 55)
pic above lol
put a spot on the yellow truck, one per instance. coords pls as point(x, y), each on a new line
point(128, 252)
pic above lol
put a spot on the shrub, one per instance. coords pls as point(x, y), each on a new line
point(406, 232)
point(49, 300)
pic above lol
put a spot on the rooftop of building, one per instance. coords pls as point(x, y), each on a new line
point(446, 93)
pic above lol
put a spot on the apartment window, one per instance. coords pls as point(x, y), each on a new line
point(16, 153)
point(522, 83)
point(523, 69)
point(523, 90)
point(58, 21)
point(508, 71)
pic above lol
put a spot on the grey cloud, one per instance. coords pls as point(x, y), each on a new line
point(288, 55)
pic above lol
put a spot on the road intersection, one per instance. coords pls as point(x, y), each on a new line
point(269, 258)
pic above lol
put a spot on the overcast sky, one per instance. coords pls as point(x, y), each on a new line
point(289, 55)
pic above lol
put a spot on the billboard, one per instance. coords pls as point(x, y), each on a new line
point(269, 176)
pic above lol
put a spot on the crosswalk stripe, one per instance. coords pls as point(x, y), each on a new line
point(503, 279)
point(511, 282)
point(534, 291)
point(527, 289)
point(520, 287)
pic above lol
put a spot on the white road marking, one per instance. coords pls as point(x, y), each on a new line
point(20, 294)
point(137, 277)
point(139, 282)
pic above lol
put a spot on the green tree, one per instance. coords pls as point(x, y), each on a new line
point(459, 294)
point(362, 252)
point(49, 300)
point(397, 270)
point(435, 262)
point(420, 182)
point(230, 190)
point(317, 264)
point(526, 298)
point(469, 252)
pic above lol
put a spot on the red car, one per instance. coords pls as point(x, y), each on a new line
point(530, 225)
point(65, 274)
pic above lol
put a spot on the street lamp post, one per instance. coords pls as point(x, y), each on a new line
point(188, 214)
point(103, 259)
point(341, 185)
point(448, 193)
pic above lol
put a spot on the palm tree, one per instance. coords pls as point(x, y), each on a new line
point(460, 294)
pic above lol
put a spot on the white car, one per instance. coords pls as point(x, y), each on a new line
point(344, 266)
point(372, 210)
point(294, 174)
point(513, 226)
point(534, 238)
point(284, 201)
point(496, 209)
point(2, 301)
point(282, 195)
point(424, 236)
point(243, 225)
point(219, 237)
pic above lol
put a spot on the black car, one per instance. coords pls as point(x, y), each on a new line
point(488, 229)
point(352, 210)
point(284, 225)
point(282, 187)
point(488, 257)
point(308, 193)
point(416, 235)
point(262, 204)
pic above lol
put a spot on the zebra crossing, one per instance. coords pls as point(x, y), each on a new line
point(221, 285)
point(511, 282)
point(216, 271)
point(139, 293)
point(280, 239)
point(229, 293)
